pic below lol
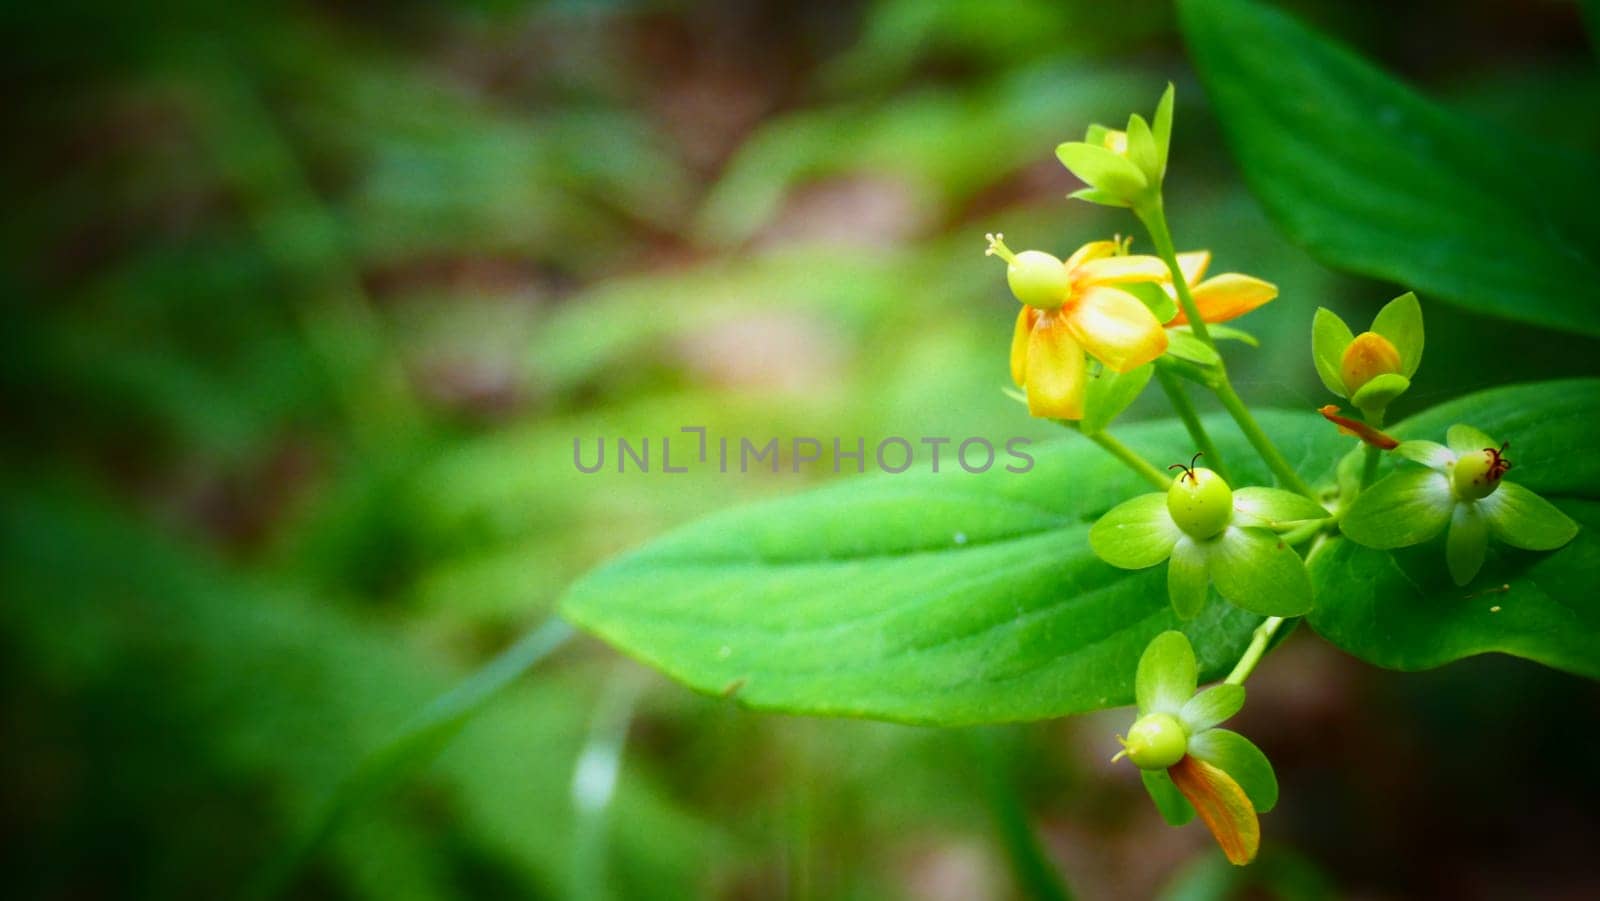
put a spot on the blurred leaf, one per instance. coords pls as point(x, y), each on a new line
point(1370, 176)
point(1401, 610)
point(921, 597)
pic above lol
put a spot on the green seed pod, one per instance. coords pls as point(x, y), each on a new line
point(1476, 475)
point(1039, 279)
point(1200, 502)
point(1157, 741)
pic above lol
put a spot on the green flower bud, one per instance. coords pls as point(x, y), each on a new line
point(1156, 741)
point(1476, 475)
point(1200, 502)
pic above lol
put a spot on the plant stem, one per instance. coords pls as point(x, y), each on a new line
point(1191, 420)
point(1154, 218)
point(1369, 468)
point(1252, 655)
point(1128, 456)
point(1036, 877)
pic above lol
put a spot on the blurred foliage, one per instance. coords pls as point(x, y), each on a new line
point(305, 303)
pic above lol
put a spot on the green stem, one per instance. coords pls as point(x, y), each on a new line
point(1369, 468)
point(1128, 456)
point(1252, 655)
point(1154, 218)
point(1191, 420)
point(1258, 439)
point(1036, 877)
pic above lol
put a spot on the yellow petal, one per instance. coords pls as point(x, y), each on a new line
point(1222, 806)
point(1019, 344)
point(1112, 270)
point(1055, 370)
point(1116, 329)
point(1193, 265)
point(1228, 296)
point(1094, 250)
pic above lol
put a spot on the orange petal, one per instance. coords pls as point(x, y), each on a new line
point(1228, 296)
point(1193, 265)
point(1116, 328)
point(1222, 806)
point(1094, 250)
point(1355, 429)
point(1113, 270)
point(1019, 344)
point(1055, 370)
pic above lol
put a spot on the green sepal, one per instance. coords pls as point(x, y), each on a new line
point(1466, 543)
point(1161, 128)
point(1174, 807)
point(1429, 453)
point(1096, 134)
point(1108, 393)
point(1379, 392)
point(1185, 346)
point(1211, 707)
point(1273, 507)
point(1404, 508)
point(1155, 298)
point(1465, 439)
point(1187, 579)
point(1240, 758)
point(1142, 149)
point(1135, 534)
point(1104, 198)
point(1229, 333)
point(1522, 519)
point(1400, 321)
point(1329, 339)
point(1167, 674)
point(1255, 570)
point(1102, 168)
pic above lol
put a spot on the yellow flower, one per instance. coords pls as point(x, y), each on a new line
point(1088, 313)
point(1221, 297)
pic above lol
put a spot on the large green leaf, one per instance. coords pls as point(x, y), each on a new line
point(1370, 176)
point(1399, 609)
point(942, 598)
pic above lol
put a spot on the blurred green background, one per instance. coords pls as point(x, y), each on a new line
point(305, 303)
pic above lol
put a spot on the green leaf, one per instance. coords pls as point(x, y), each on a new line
point(1185, 346)
point(1240, 758)
point(1400, 321)
point(1102, 169)
point(1187, 579)
point(1465, 543)
point(1174, 807)
point(1329, 338)
point(1109, 393)
point(1227, 333)
point(1405, 508)
point(1273, 507)
point(1380, 391)
point(1255, 570)
point(1372, 177)
point(1167, 674)
point(1135, 534)
point(936, 598)
point(1212, 706)
point(1402, 610)
point(1525, 520)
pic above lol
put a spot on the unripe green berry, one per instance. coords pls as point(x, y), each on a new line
point(1476, 475)
point(1200, 502)
point(1156, 741)
point(1039, 279)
